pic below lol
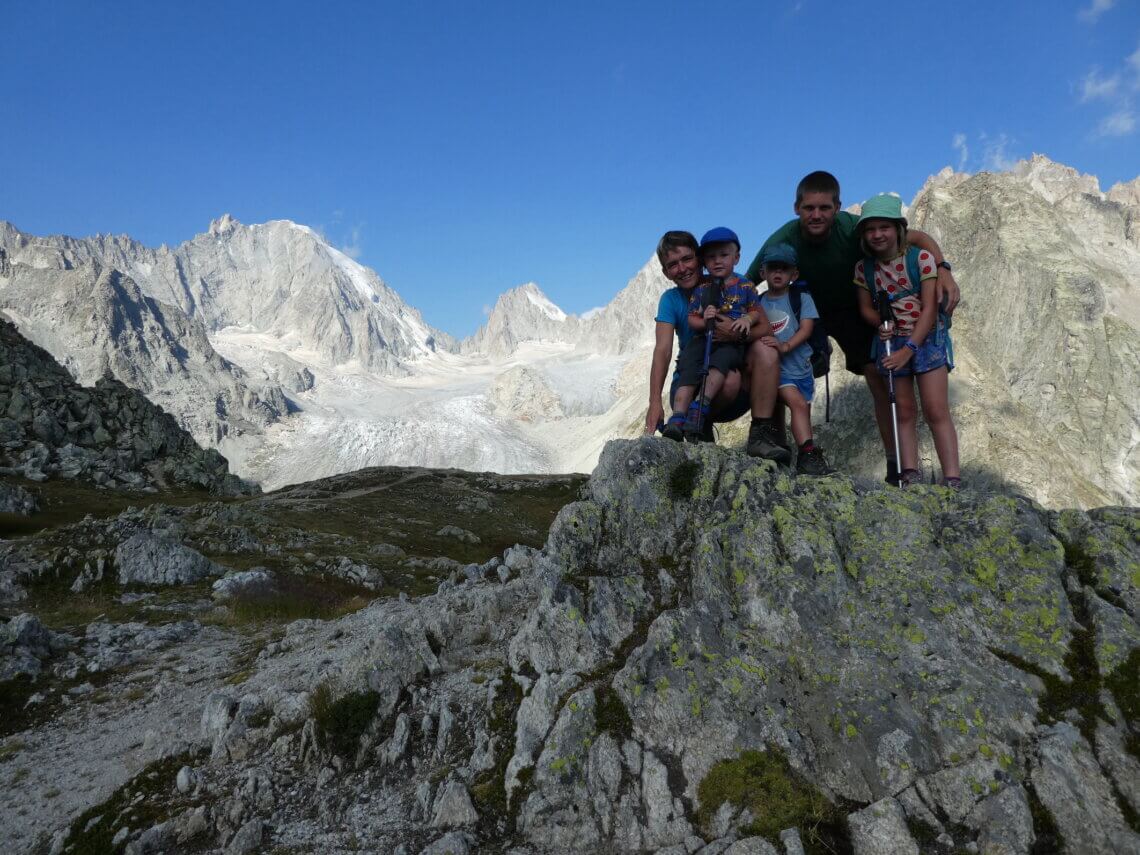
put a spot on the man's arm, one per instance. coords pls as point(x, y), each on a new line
point(662, 350)
point(945, 288)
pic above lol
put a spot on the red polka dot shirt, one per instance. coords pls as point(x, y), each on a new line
point(891, 278)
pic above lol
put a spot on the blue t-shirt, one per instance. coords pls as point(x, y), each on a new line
point(673, 308)
point(797, 363)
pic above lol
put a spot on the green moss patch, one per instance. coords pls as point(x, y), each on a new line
point(342, 721)
point(489, 792)
point(683, 480)
point(777, 797)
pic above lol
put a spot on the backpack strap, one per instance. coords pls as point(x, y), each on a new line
point(795, 298)
point(869, 278)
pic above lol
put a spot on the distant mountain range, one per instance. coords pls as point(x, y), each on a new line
point(297, 362)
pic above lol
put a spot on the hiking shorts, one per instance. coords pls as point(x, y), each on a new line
point(724, 358)
point(853, 336)
point(806, 385)
point(932, 353)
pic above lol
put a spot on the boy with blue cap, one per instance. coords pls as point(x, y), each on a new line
point(790, 334)
point(725, 296)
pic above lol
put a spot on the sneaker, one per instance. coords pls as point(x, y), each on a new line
point(909, 477)
point(812, 462)
point(892, 473)
point(674, 430)
point(952, 483)
point(762, 442)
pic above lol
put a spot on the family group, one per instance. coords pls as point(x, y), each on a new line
point(884, 293)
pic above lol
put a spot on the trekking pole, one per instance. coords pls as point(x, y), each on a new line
point(718, 285)
point(887, 317)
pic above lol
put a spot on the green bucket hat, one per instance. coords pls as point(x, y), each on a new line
point(882, 207)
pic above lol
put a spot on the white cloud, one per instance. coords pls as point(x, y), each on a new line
point(486, 310)
point(1118, 124)
point(351, 247)
point(1092, 13)
point(995, 158)
point(1094, 86)
point(1118, 92)
point(959, 145)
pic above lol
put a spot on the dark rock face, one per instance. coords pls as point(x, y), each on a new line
point(109, 434)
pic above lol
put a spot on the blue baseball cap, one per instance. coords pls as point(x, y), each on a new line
point(780, 253)
point(720, 235)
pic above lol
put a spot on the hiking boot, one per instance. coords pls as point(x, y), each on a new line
point(812, 462)
point(909, 477)
point(763, 442)
point(892, 473)
point(674, 430)
point(952, 483)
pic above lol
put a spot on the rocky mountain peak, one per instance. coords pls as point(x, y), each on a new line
point(1054, 181)
point(225, 223)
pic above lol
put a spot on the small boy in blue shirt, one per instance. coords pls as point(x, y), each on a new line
point(790, 336)
point(726, 295)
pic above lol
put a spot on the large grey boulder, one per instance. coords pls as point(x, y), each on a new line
point(148, 559)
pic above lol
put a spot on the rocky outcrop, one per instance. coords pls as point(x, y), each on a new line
point(706, 655)
point(109, 434)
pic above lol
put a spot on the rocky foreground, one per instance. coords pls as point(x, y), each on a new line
point(706, 655)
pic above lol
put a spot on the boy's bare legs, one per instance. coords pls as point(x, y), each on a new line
point(713, 384)
point(908, 422)
point(764, 371)
point(801, 413)
point(933, 386)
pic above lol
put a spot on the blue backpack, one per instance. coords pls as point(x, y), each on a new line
point(820, 343)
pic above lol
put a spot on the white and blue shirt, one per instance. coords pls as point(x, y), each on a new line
point(796, 363)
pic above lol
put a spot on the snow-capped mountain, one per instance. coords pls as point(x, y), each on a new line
point(525, 314)
point(520, 315)
point(276, 279)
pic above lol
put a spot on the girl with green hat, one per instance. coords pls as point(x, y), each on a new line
point(903, 277)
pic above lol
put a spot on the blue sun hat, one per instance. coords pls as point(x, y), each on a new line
point(720, 234)
point(780, 253)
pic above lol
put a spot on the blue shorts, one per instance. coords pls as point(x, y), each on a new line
point(935, 352)
point(806, 385)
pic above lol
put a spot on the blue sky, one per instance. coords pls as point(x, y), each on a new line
point(461, 148)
